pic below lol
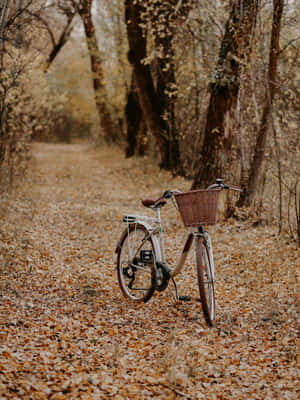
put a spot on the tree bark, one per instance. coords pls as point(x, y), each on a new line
point(107, 124)
point(297, 209)
point(3, 91)
point(164, 19)
point(256, 167)
point(3, 15)
point(134, 116)
point(224, 89)
point(145, 87)
point(157, 104)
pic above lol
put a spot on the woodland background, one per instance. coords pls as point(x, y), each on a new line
point(205, 89)
point(103, 102)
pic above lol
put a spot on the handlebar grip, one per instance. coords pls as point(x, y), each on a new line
point(219, 184)
point(236, 188)
point(167, 194)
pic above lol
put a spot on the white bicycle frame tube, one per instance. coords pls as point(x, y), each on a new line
point(157, 236)
point(184, 254)
point(153, 226)
point(161, 237)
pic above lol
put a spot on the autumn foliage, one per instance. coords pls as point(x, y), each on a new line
point(188, 90)
point(66, 330)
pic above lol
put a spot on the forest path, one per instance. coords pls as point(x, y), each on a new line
point(66, 331)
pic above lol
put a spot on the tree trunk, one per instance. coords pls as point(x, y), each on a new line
point(3, 14)
point(145, 87)
point(164, 19)
point(297, 209)
point(157, 105)
point(256, 167)
point(166, 95)
point(109, 128)
point(133, 115)
point(224, 89)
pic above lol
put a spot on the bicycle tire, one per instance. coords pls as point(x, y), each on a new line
point(205, 281)
point(132, 270)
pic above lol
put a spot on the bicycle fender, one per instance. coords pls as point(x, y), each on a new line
point(154, 238)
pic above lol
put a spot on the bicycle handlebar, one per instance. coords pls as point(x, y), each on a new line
point(219, 184)
point(168, 194)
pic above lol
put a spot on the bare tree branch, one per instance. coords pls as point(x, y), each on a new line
point(60, 43)
point(68, 10)
point(3, 13)
point(45, 23)
point(288, 44)
point(19, 11)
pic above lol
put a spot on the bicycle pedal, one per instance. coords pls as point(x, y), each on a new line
point(184, 298)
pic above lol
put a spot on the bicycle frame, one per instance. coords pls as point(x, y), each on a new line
point(141, 265)
point(155, 229)
point(188, 244)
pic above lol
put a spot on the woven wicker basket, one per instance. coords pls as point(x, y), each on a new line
point(198, 207)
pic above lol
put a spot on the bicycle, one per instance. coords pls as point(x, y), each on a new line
point(141, 258)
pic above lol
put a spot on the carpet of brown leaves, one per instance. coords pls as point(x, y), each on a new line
point(66, 331)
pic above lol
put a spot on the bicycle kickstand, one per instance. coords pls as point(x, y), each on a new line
point(180, 298)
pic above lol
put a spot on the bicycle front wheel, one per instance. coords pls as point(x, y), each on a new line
point(136, 264)
point(205, 280)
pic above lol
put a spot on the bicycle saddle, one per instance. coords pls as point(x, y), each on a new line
point(153, 203)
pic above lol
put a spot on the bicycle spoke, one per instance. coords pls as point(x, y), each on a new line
point(139, 267)
point(136, 268)
point(205, 280)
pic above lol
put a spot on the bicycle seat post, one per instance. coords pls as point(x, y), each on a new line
point(161, 234)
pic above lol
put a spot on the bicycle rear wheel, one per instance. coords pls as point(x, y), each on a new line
point(136, 264)
point(205, 280)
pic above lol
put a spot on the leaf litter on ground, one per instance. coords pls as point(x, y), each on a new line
point(66, 330)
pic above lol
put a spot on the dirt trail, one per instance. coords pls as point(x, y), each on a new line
point(66, 331)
